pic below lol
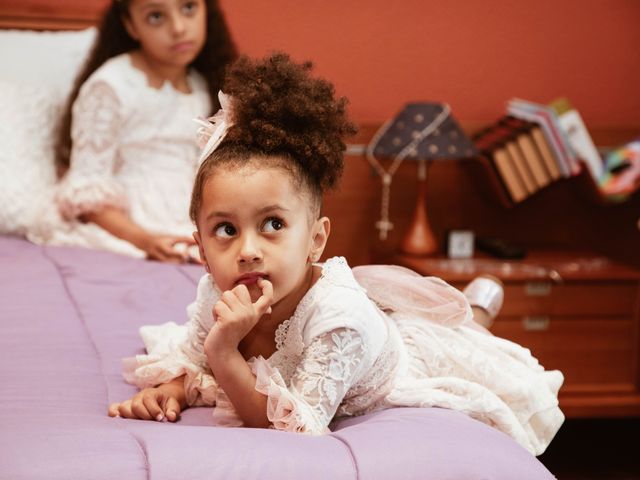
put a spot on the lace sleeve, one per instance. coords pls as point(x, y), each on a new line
point(176, 350)
point(89, 184)
point(329, 367)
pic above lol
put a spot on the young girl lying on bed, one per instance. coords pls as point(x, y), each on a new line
point(127, 145)
point(277, 340)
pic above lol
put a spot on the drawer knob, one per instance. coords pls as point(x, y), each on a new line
point(537, 289)
point(536, 323)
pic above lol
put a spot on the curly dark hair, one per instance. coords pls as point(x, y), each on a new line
point(282, 115)
point(112, 39)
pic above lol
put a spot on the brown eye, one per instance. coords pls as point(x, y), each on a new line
point(272, 225)
point(189, 8)
point(154, 18)
point(224, 230)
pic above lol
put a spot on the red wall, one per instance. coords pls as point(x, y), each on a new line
point(473, 54)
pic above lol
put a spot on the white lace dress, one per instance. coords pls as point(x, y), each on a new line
point(134, 148)
point(341, 354)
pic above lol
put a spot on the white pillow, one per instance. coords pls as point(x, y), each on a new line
point(38, 70)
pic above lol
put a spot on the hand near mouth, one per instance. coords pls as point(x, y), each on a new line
point(236, 315)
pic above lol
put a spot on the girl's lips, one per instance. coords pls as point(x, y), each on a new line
point(250, 278)
point(182, 47)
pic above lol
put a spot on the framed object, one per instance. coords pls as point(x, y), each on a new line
point(460, 244)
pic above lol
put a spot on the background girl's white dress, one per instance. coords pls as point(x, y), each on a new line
point(406, 340)
point(134, 148)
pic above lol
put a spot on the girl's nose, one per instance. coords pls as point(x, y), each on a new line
point(249, 249)
point(177, 24)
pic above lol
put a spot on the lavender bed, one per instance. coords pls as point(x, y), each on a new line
point(69, 315)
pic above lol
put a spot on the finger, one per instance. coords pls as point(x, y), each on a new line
point(263, 304)
point(124, 409)
point(153, 407)
point(221, 309)
point(113, 410)
point(242, 293)
point(138, 409)
point(231, 298)
point(172, 409)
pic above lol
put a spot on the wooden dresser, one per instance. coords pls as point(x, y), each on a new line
point(578, 313)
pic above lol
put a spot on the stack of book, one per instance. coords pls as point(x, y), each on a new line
point(534, 145)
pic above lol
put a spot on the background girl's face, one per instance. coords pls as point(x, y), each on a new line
point(170, 32)
point(256, 222)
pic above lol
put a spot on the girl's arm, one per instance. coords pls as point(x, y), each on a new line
point(236, 315)
point(117, 222)
point(234, 376)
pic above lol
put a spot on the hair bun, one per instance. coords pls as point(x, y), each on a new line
point(280, 109)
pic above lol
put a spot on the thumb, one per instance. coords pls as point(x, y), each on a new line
point(172, 409)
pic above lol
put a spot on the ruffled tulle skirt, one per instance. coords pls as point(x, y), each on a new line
point(450, 361)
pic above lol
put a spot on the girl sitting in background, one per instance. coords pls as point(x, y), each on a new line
point(276, 339)
point(126, 151)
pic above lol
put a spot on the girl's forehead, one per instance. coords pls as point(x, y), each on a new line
point(252, 172)
point(231, 183)
point(258, 172)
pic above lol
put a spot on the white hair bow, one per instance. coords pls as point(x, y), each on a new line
point(213, 130)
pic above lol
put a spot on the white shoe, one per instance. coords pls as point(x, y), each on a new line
point(485, 292)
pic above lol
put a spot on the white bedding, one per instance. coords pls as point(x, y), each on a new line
point(38, 70)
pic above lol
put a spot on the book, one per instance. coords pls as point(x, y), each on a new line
point(545, 152)
point(492, 147)
point(522, 131)
point(508, 136)
point(546, 117)
point(504, 163)
point(579, 137)
point(521, 166)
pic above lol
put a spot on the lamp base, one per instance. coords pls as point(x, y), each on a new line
point(420, 239)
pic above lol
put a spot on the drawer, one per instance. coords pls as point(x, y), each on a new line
point(575, 298)
point(589, 351)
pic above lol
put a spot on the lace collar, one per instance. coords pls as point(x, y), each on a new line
point(335, 271)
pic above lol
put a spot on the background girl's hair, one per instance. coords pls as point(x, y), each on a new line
point(279, 110)
point(112, 39)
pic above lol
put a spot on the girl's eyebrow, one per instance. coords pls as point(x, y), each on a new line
point(271, 208)
point(261, 211)
point(152, 5)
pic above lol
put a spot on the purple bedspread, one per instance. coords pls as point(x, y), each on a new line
point(69, 315)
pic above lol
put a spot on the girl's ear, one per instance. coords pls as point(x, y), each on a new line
point(321, 230)
point(203, 257)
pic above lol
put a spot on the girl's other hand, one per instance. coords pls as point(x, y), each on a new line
point(148, 404)
point(163, 248)
point(236, 315)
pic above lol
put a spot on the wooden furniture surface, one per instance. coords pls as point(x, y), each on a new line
point(576, 312)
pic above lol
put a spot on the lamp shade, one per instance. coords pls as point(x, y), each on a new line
point(423, 131)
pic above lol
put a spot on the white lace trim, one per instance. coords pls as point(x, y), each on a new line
point(89, 195)
point(327, 371)
point(288, 336)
